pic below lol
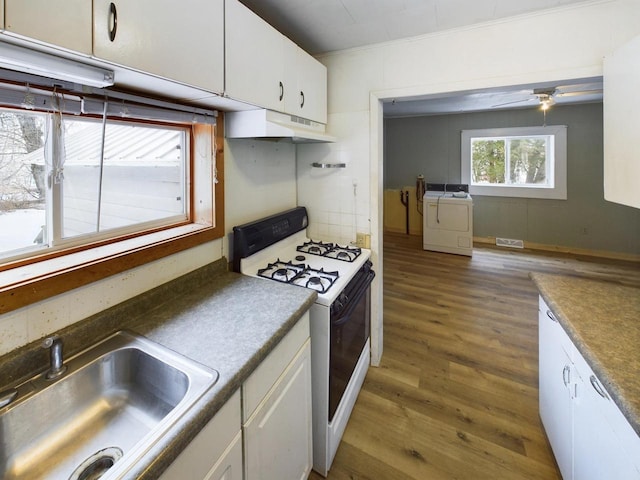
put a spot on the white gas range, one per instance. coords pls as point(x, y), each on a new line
point(277, 248)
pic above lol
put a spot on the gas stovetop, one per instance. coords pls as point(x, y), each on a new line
point(297, 260)
point(277, 248)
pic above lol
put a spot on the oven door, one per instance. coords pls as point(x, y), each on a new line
point(350, 318)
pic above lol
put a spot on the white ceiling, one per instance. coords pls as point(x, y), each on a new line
point(320, 26)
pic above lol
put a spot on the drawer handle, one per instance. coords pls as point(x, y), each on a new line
point(597, 387)
point(566, 375)
point(113, 21)
point(550, 315)
point(301, 99)
point(281, 91)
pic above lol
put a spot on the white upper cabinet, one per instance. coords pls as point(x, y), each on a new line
point(254, 60)
point(42, 20)
point(621, 120)
point(181, 41)
point(266, 69)
point(306, 94)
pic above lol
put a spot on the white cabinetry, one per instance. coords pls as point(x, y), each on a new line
point(216, 452)
point(266, 69)
point(277, 411)
point(590, 437)
point(556, 389)
point(42, 20)
point(621, 113)
point(181, 41)
point(306, 94)
point(254, 62)
point(604, 444)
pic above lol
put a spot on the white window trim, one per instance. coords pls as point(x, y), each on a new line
point(557, 192)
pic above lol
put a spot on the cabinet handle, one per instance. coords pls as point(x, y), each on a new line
point(113, 21)
point(301, 99)
point(550, 315)
point(566, 375)
point(597, 387)
point(281, 91)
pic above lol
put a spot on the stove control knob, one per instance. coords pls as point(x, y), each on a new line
point(341, 301)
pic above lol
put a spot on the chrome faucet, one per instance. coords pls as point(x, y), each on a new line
point(56, 365)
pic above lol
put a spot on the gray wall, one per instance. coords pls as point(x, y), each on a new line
point(430, 145)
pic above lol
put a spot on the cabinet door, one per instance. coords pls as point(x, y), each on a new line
point(555, 389)
point(598, 452)
point(621, 116)
point(312, 88)
point(605, 444)
point(254, 58)
point(229, 466)
point(216, 452)
point(42, 20)
point(277, 437)
point(181, 41)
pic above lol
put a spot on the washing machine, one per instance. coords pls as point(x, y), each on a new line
point(448, 222)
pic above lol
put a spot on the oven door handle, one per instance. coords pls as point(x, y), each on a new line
point(354, 300)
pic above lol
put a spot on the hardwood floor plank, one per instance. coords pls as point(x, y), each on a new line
point(456, 394)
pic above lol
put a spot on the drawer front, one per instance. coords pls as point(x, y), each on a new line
point(267, 373)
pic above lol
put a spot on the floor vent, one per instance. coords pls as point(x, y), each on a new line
point(509, 242)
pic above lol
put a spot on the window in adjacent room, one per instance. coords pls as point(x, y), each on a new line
point(515, 162)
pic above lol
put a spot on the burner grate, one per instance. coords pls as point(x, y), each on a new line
point(282, 271)
point(318, 280)
point(299, 274)
point(330, 250)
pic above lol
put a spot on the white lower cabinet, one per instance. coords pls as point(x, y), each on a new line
point(216, 452)
point(590, 437)
point(277, 432)
point(556, 390)
point(269, 419)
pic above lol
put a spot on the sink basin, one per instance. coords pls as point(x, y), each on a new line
point(115, 401)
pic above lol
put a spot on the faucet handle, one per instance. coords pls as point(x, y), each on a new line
point(48, 342)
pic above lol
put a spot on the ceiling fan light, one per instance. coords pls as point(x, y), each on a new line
point(545, 103)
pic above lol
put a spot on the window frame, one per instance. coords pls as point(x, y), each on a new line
point(558, 171)
point(29, 280)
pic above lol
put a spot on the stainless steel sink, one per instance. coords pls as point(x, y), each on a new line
point(114, 402)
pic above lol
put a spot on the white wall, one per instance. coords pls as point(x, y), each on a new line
point(260, 179)
point(559, 44)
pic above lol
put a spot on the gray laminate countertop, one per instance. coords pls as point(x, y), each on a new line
point(224, 320)
point(603, 321)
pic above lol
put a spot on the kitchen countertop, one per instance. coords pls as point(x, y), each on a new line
point(603, 321)
point(224, 320)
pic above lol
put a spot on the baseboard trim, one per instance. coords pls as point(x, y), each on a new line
point(629, 257)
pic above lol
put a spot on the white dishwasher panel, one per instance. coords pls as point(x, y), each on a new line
point(448, 224)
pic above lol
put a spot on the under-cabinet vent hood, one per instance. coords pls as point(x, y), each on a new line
point(270, 125)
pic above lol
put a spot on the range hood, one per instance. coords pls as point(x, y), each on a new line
point(270, 125)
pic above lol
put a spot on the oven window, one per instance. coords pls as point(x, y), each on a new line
point(348, 337)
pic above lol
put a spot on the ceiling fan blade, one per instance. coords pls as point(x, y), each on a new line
point(578, 93)
point(512, 103)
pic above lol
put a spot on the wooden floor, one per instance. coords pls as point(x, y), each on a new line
point(456, 394)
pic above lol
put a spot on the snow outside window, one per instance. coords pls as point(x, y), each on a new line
point(59, 187)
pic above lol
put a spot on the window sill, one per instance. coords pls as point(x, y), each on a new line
point(31, 283)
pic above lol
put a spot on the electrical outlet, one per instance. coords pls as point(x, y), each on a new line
point(363, 240)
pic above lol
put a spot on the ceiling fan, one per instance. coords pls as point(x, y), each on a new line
point(547, 96)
